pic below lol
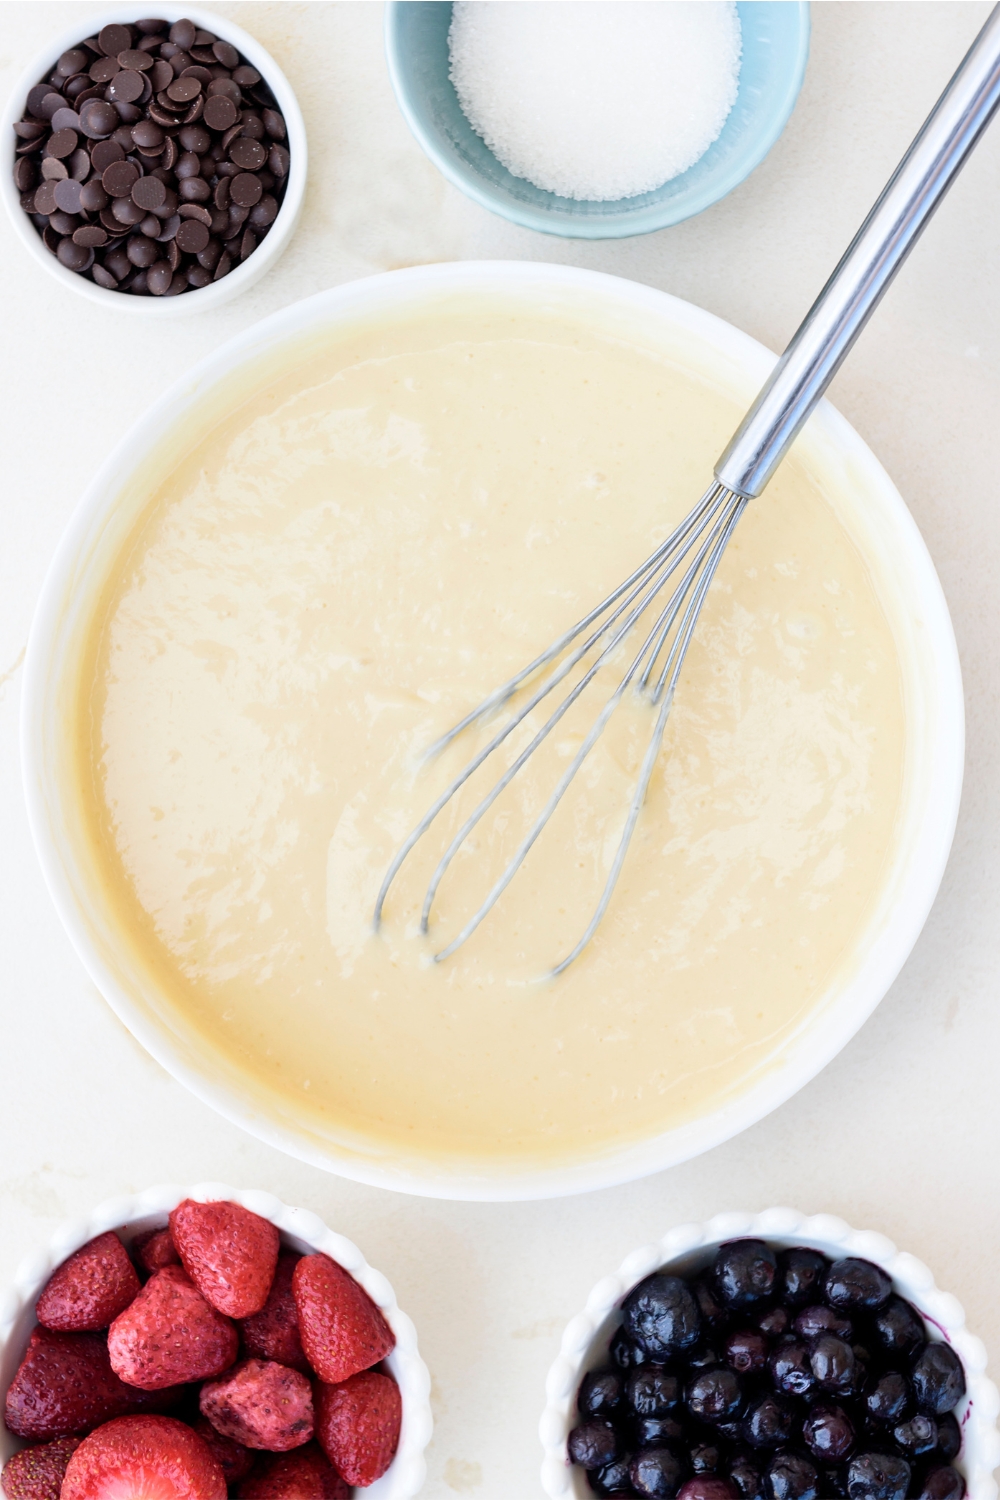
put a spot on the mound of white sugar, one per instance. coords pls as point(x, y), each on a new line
point(600, 99)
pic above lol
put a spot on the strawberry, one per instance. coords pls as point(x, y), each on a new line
point(90, 1289)
point(143, 1458)
point(357, 1423)
point(302, 1475)
point(233, 1459)
point(170, 1335)
point(260, 1404)
point(37, 1473)
point(65, 1385)
point(273, 1333)
point(155, 1249)
point(341, 1329)
point(228, 1252)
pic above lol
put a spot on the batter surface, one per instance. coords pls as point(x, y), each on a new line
point(347, 564)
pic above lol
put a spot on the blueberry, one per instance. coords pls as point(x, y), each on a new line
point(917, 1436)
point(661, 1315)
point(791, 1370)
point(800, 1275)
point(949, 1437)
point(593, 1444)
point(812, 1321)
point(877, 1476)
point(833, 1364)
point(857, 1285)
point(601, 1393)
point(888, 1399)
point(899, 1328)
point(612, 1479)
point(703, 1358)
point(714, 1395)
point(769, 1423)
point(707, 1487)
point(656, 1474)
point(625, 1353)
point(705, 1458)
point(654, 1432)
point(833, 1483)
point(773, 1322)
point(746, 1476)
point(828, 1434)
point(746, 1351)
point(651, 1392)
point(938, 1379)
point(745, 1272)
point(791, 1477)
point(729, 1432)
point(713, 1314)
point(942, 1484)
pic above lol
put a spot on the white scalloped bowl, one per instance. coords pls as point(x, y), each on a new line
point(690, 1247)
point(300, 1230)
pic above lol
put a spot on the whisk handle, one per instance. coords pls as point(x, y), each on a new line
point(829, 329)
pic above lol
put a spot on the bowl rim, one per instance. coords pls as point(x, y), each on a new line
point(299, 1227)
point(204, 299)
point(627, 222)
point(828, 1030)
point(913, 1280)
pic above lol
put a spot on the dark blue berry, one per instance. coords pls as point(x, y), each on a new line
point(856, 1285)
point(791, 1369)
point(593, 1444)
point(938, 1379)
point(773, 1322)
point(656, 1474)
point(833, 1483)
point(833, 1364)
point(653, 1432)
point(746, 1351)
point(625, 1353)
point(745, 1272)
point(888, 1399)
point(705, 1458)
point(899, 1329)
point(612, 1479)
point(714, 1395)
point(800, 1275)
point(651, 1392)
point(707, 1487)
point(917, 1436)
point(949, 1437)
point(601, 1393)
point(703, 1358)
point(790, 1476)
point(661, 1315)
point(713, 1314)
point(769, 1423)
point(877, 1476)
point(943, 1483)
point(828, 1433)
point(812, 1321)
point(746, 1476)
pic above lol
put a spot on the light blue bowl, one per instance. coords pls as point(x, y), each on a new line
point(775, 49)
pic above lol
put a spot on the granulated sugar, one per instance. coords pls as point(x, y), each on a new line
point(596, 100)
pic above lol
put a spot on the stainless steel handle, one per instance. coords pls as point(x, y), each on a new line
point(827, 332)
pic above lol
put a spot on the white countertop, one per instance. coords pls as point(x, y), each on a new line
point(901, 1132)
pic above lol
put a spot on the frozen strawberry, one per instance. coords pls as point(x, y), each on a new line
point(170, 1335)
point(357, 1423)
point(260, 1404)
point(37, 1473)
point(303, 1475)
point(143, 1458)
point(90, 1289)
point(273, 1333)
point(155, 1249)
point(233, 1459)
point(341, 1329)
point(228, 1252)
point(65, 1385)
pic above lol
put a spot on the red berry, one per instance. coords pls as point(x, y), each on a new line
point(37, 1473)
point(273, 1333)
point(90, 1289)
point(260, 1404)
point(170, 1335)
point(357, 1423)
point(228, 1252)
point(302, 1475)
point(155, 1249)
point(143, 1458)
point(233, 1459)
point(65, 1385)
point(341, 1329)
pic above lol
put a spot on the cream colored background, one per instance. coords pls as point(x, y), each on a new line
point(902, 1132)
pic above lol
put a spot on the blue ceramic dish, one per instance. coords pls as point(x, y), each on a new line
point(775, 49)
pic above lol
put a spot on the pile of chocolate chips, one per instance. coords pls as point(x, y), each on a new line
point(152, 160)
point(772, 1376)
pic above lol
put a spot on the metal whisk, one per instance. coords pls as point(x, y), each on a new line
point(691, 555)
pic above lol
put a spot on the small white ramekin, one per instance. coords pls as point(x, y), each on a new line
point(300, 1230)
point(689, 1248)
point(270, 247)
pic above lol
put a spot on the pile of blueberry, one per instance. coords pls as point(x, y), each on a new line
point(774, 1375)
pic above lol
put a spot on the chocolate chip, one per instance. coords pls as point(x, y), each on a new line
point(142, 251)
point(188, 165)
point(148, 135)
point(277, 160)
point(194, 190)
point(159, 276)
point(253, 127)
point(126, 212)
point(247, 155)
point(73, 61)
point(274, 124)
point(192, 236)
point(53, 170)
point(183, 33)
point(225, 88)
point(74, 257)
point(61, 143)
point(195, 211)
point(227, 54)
point(65, 119)
point(35, 97)
point(133, 58)
point(93, 197)
point(25, 174)
point(103, 153)
point(79, 165)
point(50, 104)
point(114, 39)
point(224, 266)
point(103, 278)
point(98, 118)
point(29, 130)
point(62, 222)
point(169, 228)
point(68, 195)
point(90, 235)
point(220, 112)
point(184, 89)
point(45, 198)
point(246, 76)
point(161, 75)
point(245, 189)
point(126, 86)
point(104, 69)
point(51, 239)
point(149, 193)
point(119, 177)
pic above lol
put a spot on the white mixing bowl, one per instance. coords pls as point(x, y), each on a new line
point(880, 524)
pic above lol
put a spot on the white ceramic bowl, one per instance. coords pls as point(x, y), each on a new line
point(277, 237)
point(689, 1248)
point(300, 1230)
point(881, 525)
